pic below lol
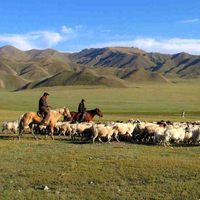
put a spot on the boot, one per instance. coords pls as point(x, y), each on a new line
point(43, 123)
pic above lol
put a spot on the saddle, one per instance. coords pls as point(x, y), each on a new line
point(81, 118)
point(40, 114)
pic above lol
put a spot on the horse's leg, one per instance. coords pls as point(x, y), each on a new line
point(20, 133)
point(100, 140)
point(109, 138)
point(94, 137)
point(21, 129)
point(52, 132)
point(116, 136)
point(32, 132)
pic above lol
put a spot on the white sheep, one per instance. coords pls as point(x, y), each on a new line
point(192, 134)
point(139, 131)
point(150, 131)
point(10, 126)
point(65, 128)
point(159, 134)
point(80, 127)
point(177, 134)
point(126, 129)
point(104, 132)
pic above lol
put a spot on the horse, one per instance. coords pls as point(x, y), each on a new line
point(31, 118)
point(89, 115)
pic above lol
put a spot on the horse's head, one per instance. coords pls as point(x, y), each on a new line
point(99, 113)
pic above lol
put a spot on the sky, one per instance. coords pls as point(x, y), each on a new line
point(170, 27)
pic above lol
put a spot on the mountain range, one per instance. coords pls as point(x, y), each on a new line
point(110, 67)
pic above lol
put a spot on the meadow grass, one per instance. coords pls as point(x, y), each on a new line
point(80, 170)
point(144, 102)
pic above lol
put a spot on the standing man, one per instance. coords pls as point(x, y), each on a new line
point(43, 108)
point(183, 114)
point(81, 110)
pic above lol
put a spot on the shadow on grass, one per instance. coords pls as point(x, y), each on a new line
point(8, 136)
point(78, 141)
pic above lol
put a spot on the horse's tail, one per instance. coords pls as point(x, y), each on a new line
point(21, 123)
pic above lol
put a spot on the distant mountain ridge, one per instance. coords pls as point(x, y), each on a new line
point(174, 65)
point(109, 66)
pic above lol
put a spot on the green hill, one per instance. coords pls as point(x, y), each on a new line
point(48, 53)
point(180, 65)
point(144, 76)
point(11, 82)
point(84, 77)
point(109, 66)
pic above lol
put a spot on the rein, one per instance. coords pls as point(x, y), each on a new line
point(51, 107)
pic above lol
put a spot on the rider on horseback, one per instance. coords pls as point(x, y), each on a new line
point(81, 110)
point(43, 108)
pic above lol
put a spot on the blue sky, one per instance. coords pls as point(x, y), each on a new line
point(70, 26)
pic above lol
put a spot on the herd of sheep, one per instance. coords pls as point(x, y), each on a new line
point(132, 130)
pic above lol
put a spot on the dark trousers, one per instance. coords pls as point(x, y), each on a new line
point(82, 116)
point(46, 112)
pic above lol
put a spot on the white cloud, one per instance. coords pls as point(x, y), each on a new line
point(190, 21)
point(170, 46)
point(33, 40)
point(22, 42)
point(47, 38)
point(66, 30)
point(78, 27)
point(51, 39)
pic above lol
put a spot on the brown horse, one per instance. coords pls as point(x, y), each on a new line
point(88, 116)
point(31, 118)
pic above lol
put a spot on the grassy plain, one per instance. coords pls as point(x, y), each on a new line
point(125, 170)
point(100, 171)
point(144, 102)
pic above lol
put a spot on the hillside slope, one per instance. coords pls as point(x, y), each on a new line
point(180, 65)
point(84, 77)
point(109, 66)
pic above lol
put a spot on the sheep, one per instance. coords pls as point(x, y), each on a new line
point(80, 127)
point(87, 133)
point(139, 131)
point(12, 126)
point(150, 131)
point(159, 134)
point(104, 132)
point(41, 129)
point(192, 134)
point(73, 131)
point(177, 134)
point(125, 129)
point(65, 127)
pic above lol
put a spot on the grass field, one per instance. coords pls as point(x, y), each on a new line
point(144, 102)
point(125, 170)
point(100, 171)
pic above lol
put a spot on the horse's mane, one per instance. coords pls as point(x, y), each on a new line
point(91, 110)
point(58, 110)
point(86, 111)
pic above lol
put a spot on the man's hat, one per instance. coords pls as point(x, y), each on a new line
point(45, 93)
